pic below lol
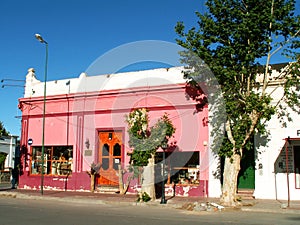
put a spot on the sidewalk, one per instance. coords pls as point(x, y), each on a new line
point(184, 203)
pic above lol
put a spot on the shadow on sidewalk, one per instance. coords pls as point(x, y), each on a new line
point(6, 189)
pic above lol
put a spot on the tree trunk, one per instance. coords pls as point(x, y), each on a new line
point(148, 184)
point(123, 187)
point(121, 184)
point(92, 182)
point(230, 176)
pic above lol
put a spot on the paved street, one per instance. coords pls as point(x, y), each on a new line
point(14, 211)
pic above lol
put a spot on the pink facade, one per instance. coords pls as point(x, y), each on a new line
point(75, 121)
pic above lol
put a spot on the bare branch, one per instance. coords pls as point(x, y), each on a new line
point(287, 41)
point(229, 132)
point(254, 116)
point(265, 80)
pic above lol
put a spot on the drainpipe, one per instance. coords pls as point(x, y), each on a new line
point(287, 142)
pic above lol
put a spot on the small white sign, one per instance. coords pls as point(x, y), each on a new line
point(30, 141)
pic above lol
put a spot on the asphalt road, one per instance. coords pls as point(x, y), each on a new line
point(45, 212)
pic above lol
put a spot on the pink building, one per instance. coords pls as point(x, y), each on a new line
point(85, 124)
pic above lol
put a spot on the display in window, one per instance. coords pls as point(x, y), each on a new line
point(58, 160)
point(182, 167)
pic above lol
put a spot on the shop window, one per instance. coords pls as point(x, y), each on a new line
point(58, 160)
point(181, 167)
point(297, 165)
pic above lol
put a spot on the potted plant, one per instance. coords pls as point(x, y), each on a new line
point(94, 171)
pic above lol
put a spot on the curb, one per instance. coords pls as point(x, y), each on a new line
point(269, 210)
point(261, 207)
point(83, 200)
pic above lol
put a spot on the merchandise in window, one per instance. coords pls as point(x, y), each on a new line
point(181, 167)
point(58, 160)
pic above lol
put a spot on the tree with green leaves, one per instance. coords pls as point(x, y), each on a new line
point(3, 132)
point(145, 141)
point(237, 39)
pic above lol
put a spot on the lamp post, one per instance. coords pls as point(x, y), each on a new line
point(40, 39)
point(163, 198)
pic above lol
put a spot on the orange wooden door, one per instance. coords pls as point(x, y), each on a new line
point(110, 157)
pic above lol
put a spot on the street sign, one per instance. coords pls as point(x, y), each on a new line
point(30, 141)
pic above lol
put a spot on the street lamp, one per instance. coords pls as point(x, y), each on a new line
point(40, 39)
point(163, 198)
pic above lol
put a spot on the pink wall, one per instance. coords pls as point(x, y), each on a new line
point(71, 120)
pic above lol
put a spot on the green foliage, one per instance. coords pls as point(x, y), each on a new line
point(144, 140)
point(236, 39)
point(144, 198)
point(3, 131)
point(2, 159)
point(138, 123)
point(291, 96)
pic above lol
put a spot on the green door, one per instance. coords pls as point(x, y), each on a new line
point(246, 179)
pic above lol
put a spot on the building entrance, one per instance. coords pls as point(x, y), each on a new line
point(110, 157)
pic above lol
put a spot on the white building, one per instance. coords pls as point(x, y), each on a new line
point(277, 172)
point(8, 145)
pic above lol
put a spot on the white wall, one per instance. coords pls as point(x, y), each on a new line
point(8, 146)
point(270, 183)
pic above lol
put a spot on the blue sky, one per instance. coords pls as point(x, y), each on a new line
point(78, 32)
